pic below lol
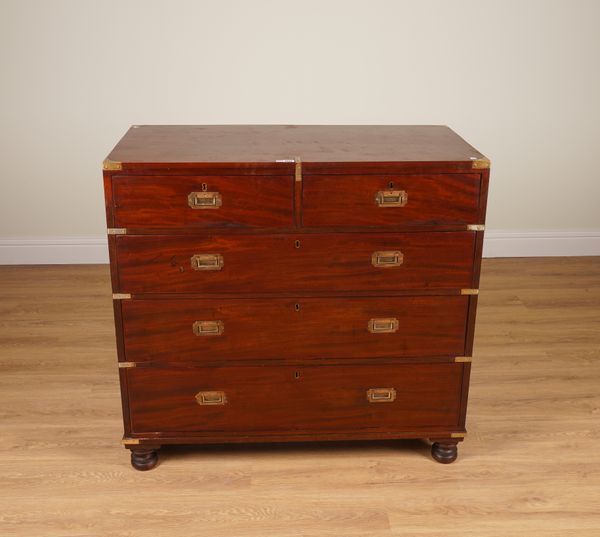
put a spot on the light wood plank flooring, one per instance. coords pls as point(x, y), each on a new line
point(529, 465)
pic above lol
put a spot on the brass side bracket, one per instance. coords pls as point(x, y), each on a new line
point(112, 165)
point(298, 174)
point(481, 163)
point(116, 231)
point(121, 296)
point(125, 365)
point(130, 441)
point(465, 359)
point(469, 291)
point(458, 435)
point(475, 227)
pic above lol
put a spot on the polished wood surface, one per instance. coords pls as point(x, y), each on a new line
point(179, 242)
point(303, 400)
point(307, 328)
point(244, 145)
point(529, 465)
point(162, 201)
point(294, 262)
point(349, 200)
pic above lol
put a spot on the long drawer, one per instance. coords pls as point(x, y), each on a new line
point(286, 398)
point(295, 262)
point(237, 329)
point(387, 200)
point(203, 201)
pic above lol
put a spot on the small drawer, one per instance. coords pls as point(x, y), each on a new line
point(394, 398)
point(295, 262)
point(390, 200)
point(218, 331)
point(203, 201)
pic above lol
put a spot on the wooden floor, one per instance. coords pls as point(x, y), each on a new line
point(529, 466)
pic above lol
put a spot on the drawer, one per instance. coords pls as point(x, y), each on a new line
point(237, 329)
point(295, 262)
point(286, 398)
point(388, 200)
point(203, 202)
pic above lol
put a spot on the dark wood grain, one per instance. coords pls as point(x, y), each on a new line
point(350, 434)
point(283, 398)
point(349, 200)
point(176, 146)
point(274, 263)
point(298, 287)
point(158, 330)
point(162, 201)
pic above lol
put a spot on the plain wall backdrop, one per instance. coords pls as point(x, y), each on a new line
point(520, 80)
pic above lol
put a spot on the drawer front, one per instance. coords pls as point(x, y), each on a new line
point(203, 202)
point(286, 398)
point(388, 200)
point(302, 262)
point(237, 329)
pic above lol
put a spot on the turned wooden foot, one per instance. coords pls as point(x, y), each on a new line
point(144, 459)
point(444, 451)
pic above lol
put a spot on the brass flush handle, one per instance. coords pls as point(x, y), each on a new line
point(387, 259)
point(208, 328)
point(381, 395)
point(207, 262)
point(383, 326)
point(205, 200)
point(211, 398)
point(391, 198)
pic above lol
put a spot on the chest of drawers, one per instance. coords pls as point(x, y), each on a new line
point(294, 283)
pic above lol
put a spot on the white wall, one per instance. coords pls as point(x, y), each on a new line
point(520, 80)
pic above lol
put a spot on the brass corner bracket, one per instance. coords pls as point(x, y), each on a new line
point(475, 227)
point(482, 163)
point(469, 291)
point(112, 165)
point(116, 231)
point(121, 296)
point(462, 359)
point(130, 441)
point(458, 435)
point(126, 365)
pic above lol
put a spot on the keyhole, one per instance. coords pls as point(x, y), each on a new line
point(391, 185)
point(296, 374)
point(297, 307)
point(204, 187)
point(297, 244)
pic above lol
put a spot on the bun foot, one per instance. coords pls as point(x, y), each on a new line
point(444, 452)
point(144, 459)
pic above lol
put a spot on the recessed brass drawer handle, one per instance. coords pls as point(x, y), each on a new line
point(383, 326)
point(208, 328)
point(387, 259)
point(381, 395)
point(391, 198)
point(211, 398)
point(205, 200)
point(207, 262)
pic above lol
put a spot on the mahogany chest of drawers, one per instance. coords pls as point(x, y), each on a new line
point(292, 283)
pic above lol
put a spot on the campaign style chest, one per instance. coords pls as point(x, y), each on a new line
point(294, 283)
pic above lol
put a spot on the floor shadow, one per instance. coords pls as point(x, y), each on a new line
point(313, 449)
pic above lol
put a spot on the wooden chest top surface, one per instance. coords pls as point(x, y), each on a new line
point(188, 145)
